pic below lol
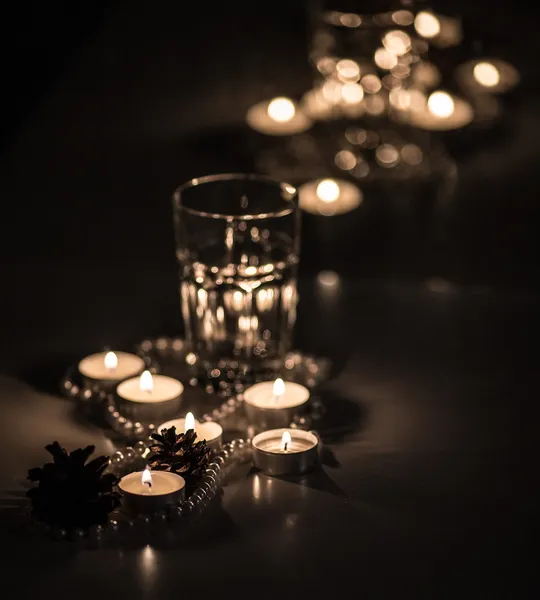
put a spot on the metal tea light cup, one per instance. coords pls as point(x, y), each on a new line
point(270, 458)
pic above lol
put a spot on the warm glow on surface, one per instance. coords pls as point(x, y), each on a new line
point(189, 422)
point(345, 160)
point(411, 154)
point(441, 104)
point(281, 110)
point(328, 190)
point(350, 20)
point(279, 388)
point(387, 155)
point(328, 279)
point(111, 361)
point(285, 440)
point(384, 59)
point(375, 104)
point(371, 83)
point(397, 42)
point(331, 91)
point(400, 99)
point(146, 383)
point(403, 17)
point(348, 70)
point(427, 24)
point(486, 74)
point(326, 65)
point(147, 478)
point(352, 93)
point(417, 100)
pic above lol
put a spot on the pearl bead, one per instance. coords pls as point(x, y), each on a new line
point(117, 458)
point(140, 448)
point(129, 454)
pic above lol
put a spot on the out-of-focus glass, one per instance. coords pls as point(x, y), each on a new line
point(237, 240)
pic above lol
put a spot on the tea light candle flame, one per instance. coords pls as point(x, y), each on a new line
point(146, 383)
point(441, 104)
point(189, 423)
point(279, 389)
point(146, 478)
point(486, 74)
point(285, 440)
point(328, 190)
point(110, 361)
point(281, 110)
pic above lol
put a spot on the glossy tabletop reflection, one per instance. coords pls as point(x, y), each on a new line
point(421, 460)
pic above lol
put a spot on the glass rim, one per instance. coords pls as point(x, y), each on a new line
point(196, 181)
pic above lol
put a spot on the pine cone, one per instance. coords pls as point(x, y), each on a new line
point(180, 454)
point(70, 493)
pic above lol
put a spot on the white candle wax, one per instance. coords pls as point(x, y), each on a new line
point(209, 431)
point(329, 197)
point(94, 366)
point(164, 389)
point(166, 489)
point(150, 399)
point(279, 116)
point(271, 404)
point(261, 395)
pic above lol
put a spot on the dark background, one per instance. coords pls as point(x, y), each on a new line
point(108, 106)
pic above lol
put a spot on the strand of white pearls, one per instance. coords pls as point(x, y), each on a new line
point(235, 452)
point(315, 370)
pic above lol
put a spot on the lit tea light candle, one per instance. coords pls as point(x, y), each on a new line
point(329, 197)
point(107, 369)
point(442, 112)
point(274, 404)
point(150, 399)
point(488, 75)
point(280, 116)
point(147, 492)
point(285, 451)
point(210, 431)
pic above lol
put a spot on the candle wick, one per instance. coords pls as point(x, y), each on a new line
point(149, 484)
point(285, 446)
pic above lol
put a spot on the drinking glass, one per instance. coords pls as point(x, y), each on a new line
point(237, 242)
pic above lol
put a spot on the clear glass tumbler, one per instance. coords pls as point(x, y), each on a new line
point(237, 240)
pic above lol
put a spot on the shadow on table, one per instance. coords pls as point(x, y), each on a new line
point(318, 480)
point(341, 418)
point(45, 376)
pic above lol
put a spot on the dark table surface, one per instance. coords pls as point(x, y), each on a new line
point(431, 331)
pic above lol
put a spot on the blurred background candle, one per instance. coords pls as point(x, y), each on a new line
point(329, 197)
point(210, 431)
point(487, 75)
point(106, 369)
point(280, 116)
point(150, 399)
point(442, 111)
point(275, 403)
